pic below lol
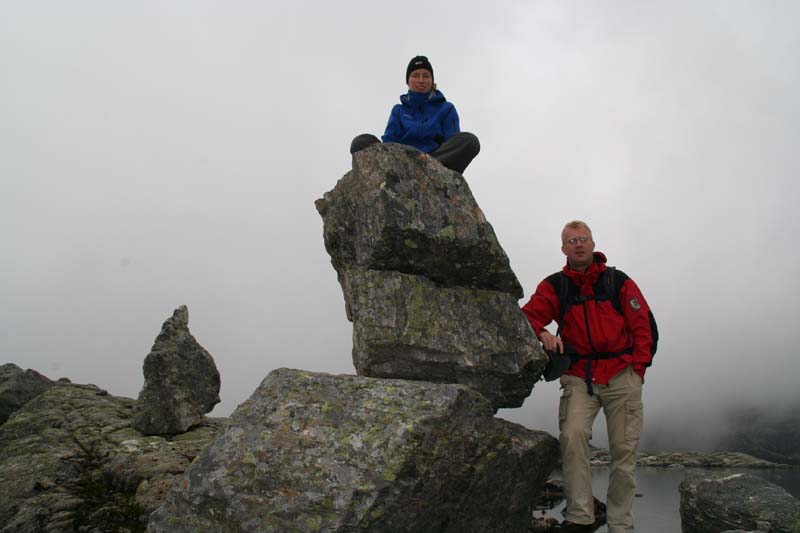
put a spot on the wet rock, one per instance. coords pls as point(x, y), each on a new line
point(181, 381)
point(18, 387)
point(718, 502)
point(70, 461)
point(401, 210)
point(406, 327)
point(320, 452)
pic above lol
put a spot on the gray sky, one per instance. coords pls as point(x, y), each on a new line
point(156, 154)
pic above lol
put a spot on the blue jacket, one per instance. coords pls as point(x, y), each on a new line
point(422, 120)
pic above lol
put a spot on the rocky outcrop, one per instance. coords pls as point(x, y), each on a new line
point(771, 434)
point(18, 387)
point(427, 286)
point(70, 460)
point(321, 452)
point(181, 381)
point(712, 503)
point(600, 457)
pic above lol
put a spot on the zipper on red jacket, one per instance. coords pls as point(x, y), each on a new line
point(594, 350)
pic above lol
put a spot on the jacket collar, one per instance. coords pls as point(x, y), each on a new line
point(586, 279)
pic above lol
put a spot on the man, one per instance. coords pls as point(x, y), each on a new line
point(613, 347)
point(425, 120)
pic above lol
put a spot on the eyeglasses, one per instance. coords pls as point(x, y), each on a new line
point(575, 240)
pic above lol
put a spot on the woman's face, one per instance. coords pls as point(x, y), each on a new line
point(420, 81)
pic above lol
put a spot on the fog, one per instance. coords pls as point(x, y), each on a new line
point(158, 154)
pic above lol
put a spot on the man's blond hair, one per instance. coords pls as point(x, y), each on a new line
point(576, 224)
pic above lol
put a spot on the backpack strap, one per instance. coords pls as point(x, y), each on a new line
point(605, 288)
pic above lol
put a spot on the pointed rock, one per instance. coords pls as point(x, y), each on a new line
point(181, 381)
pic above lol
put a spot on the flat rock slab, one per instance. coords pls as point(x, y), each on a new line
point(318, 452)
point(406, 327)
point(400, 209)
point(714, 502)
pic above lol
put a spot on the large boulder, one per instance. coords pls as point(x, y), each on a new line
point(318, 452)
point(181, 381)
point(18, 387)
point(400, 209)
point(714, 502)
point(69, 461)
point(406, 327)
point(429, 290)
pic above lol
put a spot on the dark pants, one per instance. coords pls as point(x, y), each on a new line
point(456, 153)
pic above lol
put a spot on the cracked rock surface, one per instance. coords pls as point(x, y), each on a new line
point(321, 452)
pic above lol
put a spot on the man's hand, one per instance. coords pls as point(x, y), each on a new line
point(551, 342)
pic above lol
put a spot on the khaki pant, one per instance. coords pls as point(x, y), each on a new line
point(621, 401)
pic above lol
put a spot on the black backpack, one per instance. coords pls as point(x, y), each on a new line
point(605, 288)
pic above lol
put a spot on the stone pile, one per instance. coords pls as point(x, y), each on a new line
point(433, 302)
point(426, 284)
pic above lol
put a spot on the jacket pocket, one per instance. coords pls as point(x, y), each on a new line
point(633, 420)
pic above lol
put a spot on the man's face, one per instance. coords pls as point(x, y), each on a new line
point(578, 246)
point(420, 81)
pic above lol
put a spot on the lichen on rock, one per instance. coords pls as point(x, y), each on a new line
point(346, 453)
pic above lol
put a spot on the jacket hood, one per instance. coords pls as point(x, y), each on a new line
point(599, 259)
point(412, 98)
point(586, 279)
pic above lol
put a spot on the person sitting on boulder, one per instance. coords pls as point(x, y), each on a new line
point(425, 120)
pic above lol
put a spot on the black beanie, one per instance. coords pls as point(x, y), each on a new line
point(419, 62)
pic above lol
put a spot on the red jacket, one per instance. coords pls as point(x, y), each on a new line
point(610, 331)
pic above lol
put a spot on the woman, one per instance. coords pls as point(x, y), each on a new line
point(425, 120)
